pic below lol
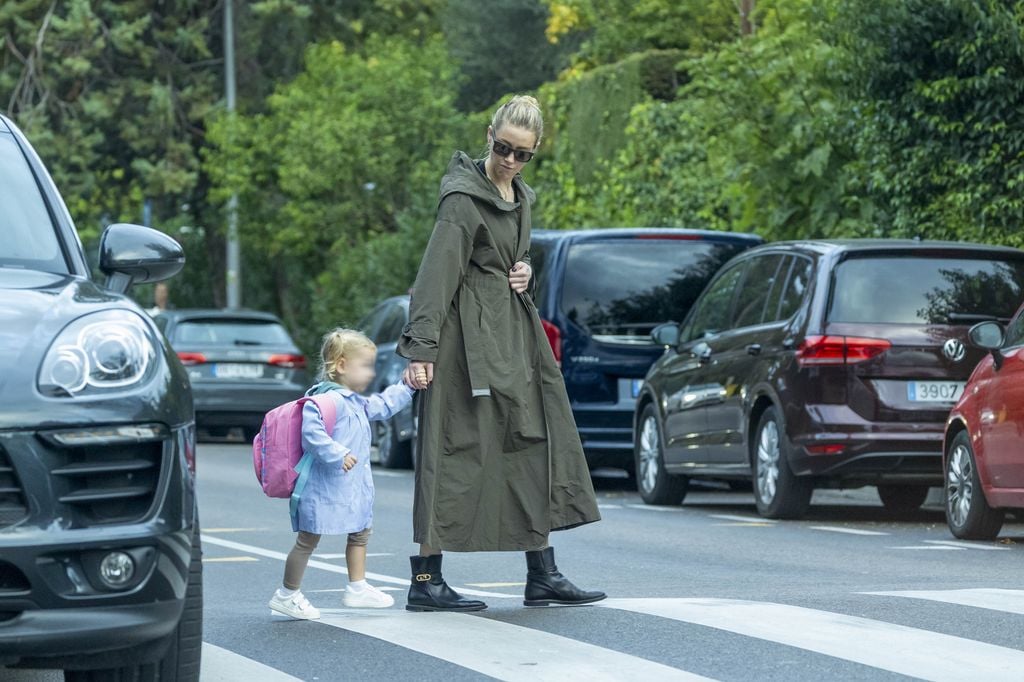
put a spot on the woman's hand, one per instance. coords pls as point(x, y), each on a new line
point(418, 375)
point(519, 276)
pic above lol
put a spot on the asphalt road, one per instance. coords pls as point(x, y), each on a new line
point(702, 590)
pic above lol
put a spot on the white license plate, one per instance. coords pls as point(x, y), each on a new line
point(637, 383)
point(237, 370)
point(934, 391)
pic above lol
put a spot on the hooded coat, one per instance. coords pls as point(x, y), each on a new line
point(500, 462)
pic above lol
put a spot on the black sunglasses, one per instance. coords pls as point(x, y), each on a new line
point(503, 150)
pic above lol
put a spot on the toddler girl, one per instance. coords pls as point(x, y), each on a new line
point(338, 495)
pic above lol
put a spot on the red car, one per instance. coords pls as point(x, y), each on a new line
point(984, 452)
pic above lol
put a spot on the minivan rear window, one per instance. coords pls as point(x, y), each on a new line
point(231, 333)
point(620, 289)
point(926, 290)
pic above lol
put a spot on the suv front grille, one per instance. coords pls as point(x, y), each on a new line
point(13, 507)
point(110, 483)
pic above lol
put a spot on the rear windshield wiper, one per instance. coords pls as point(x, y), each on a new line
point(247, 342)
point(975, 317)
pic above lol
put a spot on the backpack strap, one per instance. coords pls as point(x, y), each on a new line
point(329, 414)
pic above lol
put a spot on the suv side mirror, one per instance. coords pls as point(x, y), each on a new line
point(987, 335)
point(990, 337)
point(133, 254)
point(666, 334)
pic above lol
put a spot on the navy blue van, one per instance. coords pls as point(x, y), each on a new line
point(600, 292)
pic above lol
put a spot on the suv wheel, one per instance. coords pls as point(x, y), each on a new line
point(393, 453)
point(967, 512)
point(779, 493)
point(902, 498)
point(181, 661)
point(656, 486)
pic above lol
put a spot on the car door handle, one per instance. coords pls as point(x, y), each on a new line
point(754, 349)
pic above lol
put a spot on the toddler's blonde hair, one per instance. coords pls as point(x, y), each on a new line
point(339, 344)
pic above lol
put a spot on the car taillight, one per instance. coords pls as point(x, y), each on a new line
point(191, 358)
point(839, 350)
point(288, 360)
point(555, 339)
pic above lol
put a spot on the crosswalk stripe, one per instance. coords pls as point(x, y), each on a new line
point(502, 650)
point(849, 531)
point(1008, 601)
point(968, 545)
point(735, 517)
point(379, 577)
point(895, 648)
point(221, 665)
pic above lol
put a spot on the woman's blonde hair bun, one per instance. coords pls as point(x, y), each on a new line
point(522, 111)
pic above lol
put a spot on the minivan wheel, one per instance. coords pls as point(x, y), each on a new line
point(656, 486)
point(393, 453)
point(902, 498)
point(968, 514)
point(778, 493)
point(181, 660)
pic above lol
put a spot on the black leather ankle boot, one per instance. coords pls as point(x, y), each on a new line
point(546, 586)
point(429, 591)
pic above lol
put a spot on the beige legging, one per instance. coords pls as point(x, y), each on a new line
point(305, 543)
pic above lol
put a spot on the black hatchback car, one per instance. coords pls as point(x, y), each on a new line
point(599, 294)
point(818, 364)
point(242, 364)
point(100, 566)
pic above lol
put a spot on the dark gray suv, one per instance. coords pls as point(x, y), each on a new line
point(100, 565)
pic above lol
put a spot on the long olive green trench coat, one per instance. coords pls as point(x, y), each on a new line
point(500, 460)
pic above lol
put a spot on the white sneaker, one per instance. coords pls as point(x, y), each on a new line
point(295, 606)
point(367, 598)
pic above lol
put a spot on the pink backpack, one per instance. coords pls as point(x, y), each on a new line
point(277, 448)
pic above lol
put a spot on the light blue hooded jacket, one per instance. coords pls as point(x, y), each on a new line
point(335, 501)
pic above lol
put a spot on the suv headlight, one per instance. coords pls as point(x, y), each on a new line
point(104, 350)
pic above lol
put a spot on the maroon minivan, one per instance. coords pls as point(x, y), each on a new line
point(821, 364)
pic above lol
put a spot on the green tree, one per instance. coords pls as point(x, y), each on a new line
point(348, 155)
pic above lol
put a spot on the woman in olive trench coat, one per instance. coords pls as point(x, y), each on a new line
point(500, 461)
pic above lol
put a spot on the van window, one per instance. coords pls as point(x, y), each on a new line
point(714, 308)
point(796, 287)
point(620, 289)
point(761, 278)
point(909, 289)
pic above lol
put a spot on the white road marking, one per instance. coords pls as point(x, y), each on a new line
point(501, 650)
point(389, 474)
point(221, 665)
point(497, 584)
point(341, 555)
point(887, 646)
point(647, 507)
point(609, 506)
point(936, 547)
point(994, 599)
point(733, 517)
point(233, 530)
point(228, 559)
point(850, 531)
point(379, 577)
point(968, 545)
point(746, 524)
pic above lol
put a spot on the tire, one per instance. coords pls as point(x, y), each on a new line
point(392, 453)
point(778, 492)
point(968, 514)
point(654, 484)
point(182, 658)
point(902, 498)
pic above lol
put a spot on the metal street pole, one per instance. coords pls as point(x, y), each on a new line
point(233, 275)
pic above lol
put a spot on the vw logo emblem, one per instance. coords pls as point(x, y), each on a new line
point(954, 350)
